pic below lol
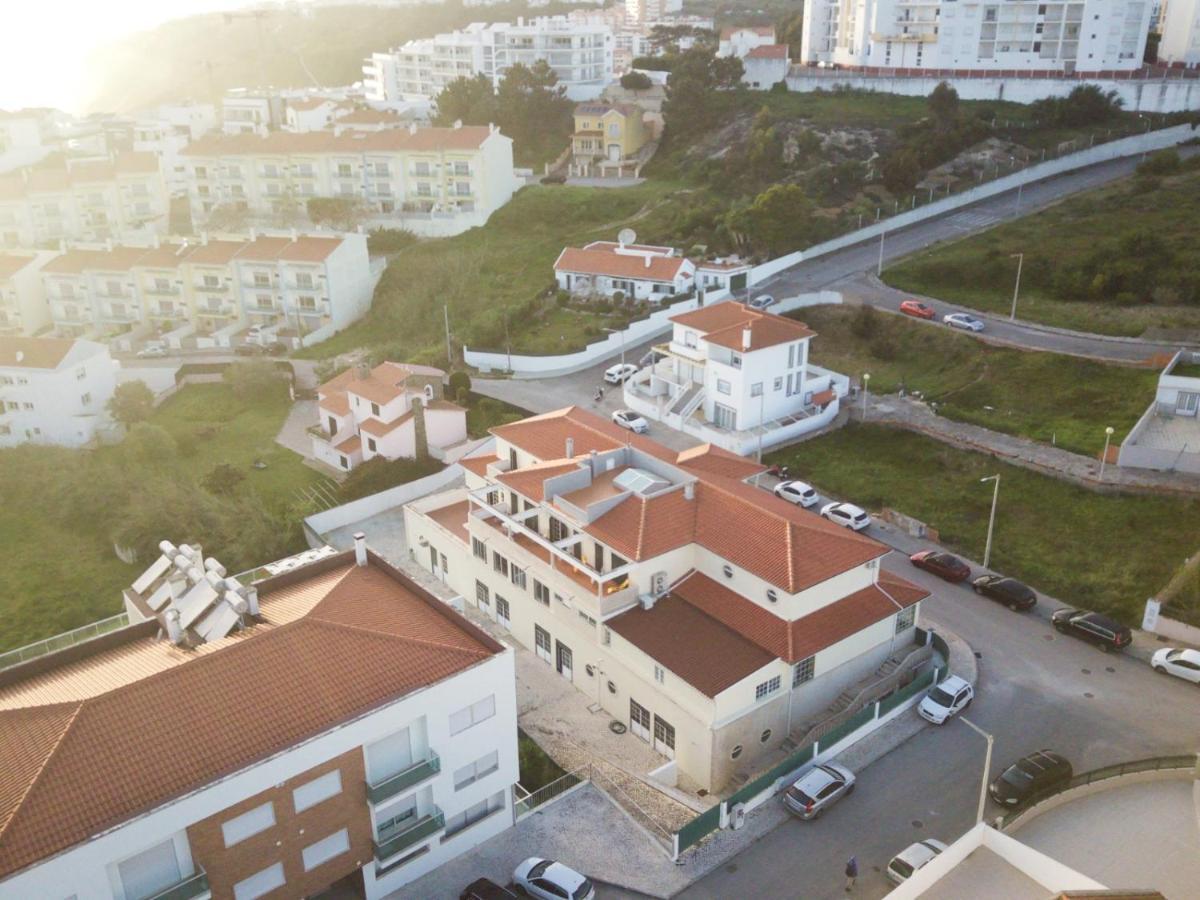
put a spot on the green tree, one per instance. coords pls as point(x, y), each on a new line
point(131, 402)
point(459, 381)
point(901, 171)
point(253, 378)
point(223, 480)
point(777, 222)
point(943, 104)
point(343, 213)
point(532, 109)
point(468, 100)
point(636, 81)
point(698, 90)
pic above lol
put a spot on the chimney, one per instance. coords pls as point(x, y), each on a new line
point(689, 491)
point(360, 549)
point(570, 448)
point(420, 435)
point(412, 127)
point(252, 600)
point(295, 235)
point(747, 334)
point(647, 259)
point(174, 629)
point(253, 234)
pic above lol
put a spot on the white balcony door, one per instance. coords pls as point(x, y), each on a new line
point(150, 872)
point(388, 756)
point(1186, 403)
point(565, 660)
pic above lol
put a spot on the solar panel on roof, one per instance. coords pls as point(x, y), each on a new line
point(161, 597)
point(195, 603)
point(156, 571)
point(639, 481)
point(218, 623)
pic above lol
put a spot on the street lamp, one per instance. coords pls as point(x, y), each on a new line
point(866, 387)
point(879, 268)
point(987, 766)
point(1017, 287)
point(1108, 433)
point(987, 550)
point(622, 334)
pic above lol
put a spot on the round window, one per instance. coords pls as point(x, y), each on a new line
point(612, 688)
point(736, 752)
point(766, 736)
point(728, 570)
point(772, 597)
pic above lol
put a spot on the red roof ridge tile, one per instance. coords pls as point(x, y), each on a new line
point(315, 619)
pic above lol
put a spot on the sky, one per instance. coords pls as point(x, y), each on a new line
point(45, 44)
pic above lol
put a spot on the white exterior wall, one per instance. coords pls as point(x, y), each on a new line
point(445, 427)
point(67, 403)
point(758, 367)
point(24, 309)
point(762, 74)
point(1181, 33)
point(742, 41)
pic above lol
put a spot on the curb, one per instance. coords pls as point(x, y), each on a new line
point(628, 890)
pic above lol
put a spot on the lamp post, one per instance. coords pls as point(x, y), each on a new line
point(1108, 433)
point(987, 766)
point(879, 268)
point(866, 387)
point(1017, 287)
point(987, 550)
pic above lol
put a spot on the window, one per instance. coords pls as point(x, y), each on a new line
point(345, 462)
point(374, 409)
point(727, 570)
point(735, 360)
point(723, 386)
point(151, 871)
point(248, 823)
point(317, 790)
point(541, 593)
point(343, 170)
point(479, 549)
point(481, 768)
point(324, 850)
point(259, 883)
point(541, 642)
point(473, 814)
point(81, 373)
point(767, 688)
point(472, 715)
point(503, 613)
point(664, 734)
point(765, 736)
point(756, 389)
point(85, 399)
point(481, 593)
point(660, 674)
point(735, 752)
point(803, 671)
point(905, 619)
point(371, 444)
point(499, 563)
point(518, 577)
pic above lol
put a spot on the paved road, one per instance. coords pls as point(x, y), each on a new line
point(1036, 689)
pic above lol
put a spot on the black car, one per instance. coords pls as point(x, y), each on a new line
point(1008, 591)
point(1029, 776)
point(1105, 633)
point(485, 889)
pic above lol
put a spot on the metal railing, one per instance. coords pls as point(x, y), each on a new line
point(392, 839)
point(414, 774)
point(192, 886)
point(532, 800)
point(60, 641)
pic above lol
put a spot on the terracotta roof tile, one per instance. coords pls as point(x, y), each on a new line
point(377, 428)
point(478, 464)
point(529, 481)
point(352, 444)
point(769, 51)
point(716, 460)
point(850, 615)
point(215, 253)
point(335, 402)
point(283, 143)
point(722, 324)
point(308, 248)
point(616, 265)
point(12, 263)
point(34, 353)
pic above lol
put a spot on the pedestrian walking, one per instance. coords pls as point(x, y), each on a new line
point(851, 873)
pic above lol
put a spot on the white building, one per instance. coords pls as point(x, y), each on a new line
point(53, 392)
point(311, 114)
point(395, 410)
point(740, 41)
point(646, 11)
point(765, 66)
point(1180, 45)
point(24, 138)
point(712, 618)
point(579, 52)
point(23, 307)
point(349, 728)
point(636, 270)
point(1167, 437)
point(165, 131)
point(1022, 36)
point(246, 111)
point(728, 370)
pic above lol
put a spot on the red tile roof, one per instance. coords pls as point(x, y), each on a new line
point(12, 263)
point(72, 770)
point(468, 137)
point(723, 324)
point(769, 51)
point(376, 428)
point(529, 481)
point(617, 265)
point(478, 464)
point(34, 353)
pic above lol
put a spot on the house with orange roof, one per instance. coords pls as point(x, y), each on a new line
point(738, 41)
point(321, 720)
point(711, 618)
point(641, 271)
point(394, 410)
point(765, 66)
point(738, 377)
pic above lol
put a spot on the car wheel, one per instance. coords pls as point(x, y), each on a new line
point(1161, 671)
point(850, 790)
point(1060, 629)
point(977, 589)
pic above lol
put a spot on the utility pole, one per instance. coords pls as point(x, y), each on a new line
point(507, 342)
point(1016, 287)
point(1108, 433)
point(879, 268)
point(449, 352)
point(987, 550)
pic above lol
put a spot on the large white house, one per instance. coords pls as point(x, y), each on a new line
point(640, 271)
point(1180, 45)
point(23, 308)
point(712, 618)
point(395, 410)
point(53, 391)
point(333, 723)
point(738, 377)
point(1021, 36)
point(579, 52)
point(738, 41)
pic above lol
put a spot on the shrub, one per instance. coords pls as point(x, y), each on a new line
point(636, 81)
point(562, 298)
point(459, 382)
point(1164, 162)
point(865, 322)
point(379, 474)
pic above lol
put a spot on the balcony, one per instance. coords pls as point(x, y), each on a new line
point(393, 839)
point(268, 309)
point(415, 773)
point(156, 291)
point(167, 314)
point(190, 888)
point(216, 312)
point(212, 288)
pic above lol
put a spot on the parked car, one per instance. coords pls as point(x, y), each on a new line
point(818, 789)
point(1028, 776)
point(797, 492)
point(907, 861)
point(944, 700)
point(944, 565)
point(762, 301)
point(627, 418)
point(1009, 591)
point(1105, 633)
point(964, 321)
point(152, 351)
point(554, 179)
point(485, 889)
point(619, 373)
point(1183, 664)
point(918, 310)
point(846, 514)
point(550, 880)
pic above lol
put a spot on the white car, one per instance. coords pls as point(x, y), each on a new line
point(797, 492)
point(627, 418)
point(903, 864)
point(152, 351)
point(762, 301)
point(846, 514)
point(1183, 664)
point(619, 373)
point(818, 789)
point(962, 320)
point(946, 699)
point(550, 880)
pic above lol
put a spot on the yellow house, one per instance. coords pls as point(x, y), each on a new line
point(609, 133)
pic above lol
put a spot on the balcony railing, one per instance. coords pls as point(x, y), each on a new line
point(162, 291)
point(213, 288)
point(396, 839)
point(413, 775)
point(193, 886)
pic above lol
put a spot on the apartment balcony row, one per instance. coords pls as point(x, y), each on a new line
point(394, 838)
point(227, 311)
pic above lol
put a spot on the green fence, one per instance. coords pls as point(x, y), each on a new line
point(691, 833)
point(845, 729)
point(914, 687)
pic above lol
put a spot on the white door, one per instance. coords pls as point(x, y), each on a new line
point(664, 737)
point(389, 756)
point(541, 643)
point(564, 661)
point(639, 720)
point(614, 152)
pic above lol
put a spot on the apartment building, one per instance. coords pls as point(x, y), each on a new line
point(1180, 45)
point(579, 52)
point(53, 392)
point(334, 723)
point(649, 11)
point(641, 271)
point(710, 617)
point(23, 308)
point(305, 286)
point(24, 138)
point(395, 410)
point(430, 180)
point(1033, 36)
point(166, 130)
point(83, 199)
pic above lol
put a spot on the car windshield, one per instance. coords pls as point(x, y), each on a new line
point(583, 890)
point(1017, 776)
point(940, 697)
point(540, 869)
point(1174, 655)
point(798, 794)
point(901, 868)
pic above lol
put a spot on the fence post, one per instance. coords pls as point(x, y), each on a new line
point(675, 847)
point(876, 709)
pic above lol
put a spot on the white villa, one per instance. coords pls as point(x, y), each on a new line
point(636, 270)
point(54, 391)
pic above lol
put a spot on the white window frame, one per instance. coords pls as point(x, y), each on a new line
point(248, 824)
point(260, 883)
point(767, 688)
point(477, 770)
point(321, 852)
point(470, 716)
point(317, 791)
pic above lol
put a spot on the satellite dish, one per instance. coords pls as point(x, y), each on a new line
point(626, 236)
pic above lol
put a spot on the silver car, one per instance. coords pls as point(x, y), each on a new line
point(818, 789)
point(903, 864)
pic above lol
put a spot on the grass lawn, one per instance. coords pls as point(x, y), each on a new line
point(1102, 551)
point(537, 769)
point(978, 271)
point(1042, 396)
point(485, 413)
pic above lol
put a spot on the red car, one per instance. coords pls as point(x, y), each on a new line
point(943, 565)
point(917, 309)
